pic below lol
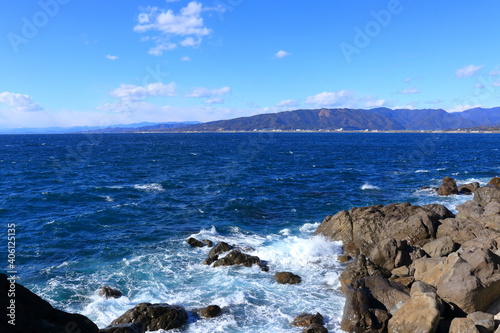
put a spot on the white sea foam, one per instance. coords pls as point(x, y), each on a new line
point(367, 186)
point(422, 171)
point(154, 187)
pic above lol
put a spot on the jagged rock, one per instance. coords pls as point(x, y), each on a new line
point(33, 314)
point(463, 325)
point(494, 181)
point(470, 278)
point(486, 194)
point(153, 317)
point(194, 242)
point(287, 278)
point(343, 258)
point(448, 186)
point(236, 257)
point(441, 210)
point(470, 210)
point(468, 188)
point(359, 268)
point(485, 322)
point(315, 328)
point(388, 293)
point(208, 242)
point(428, 270)
point(422, 287)
point(400, 271)
point(306, 319)
point(210, 260)
point(360, 229)
point(108, 292)
point(123, 328)
point(439, 247)
point(219, 248)
point(461, 230)
point(390, 253)
point(419, 315)
point(210, 311)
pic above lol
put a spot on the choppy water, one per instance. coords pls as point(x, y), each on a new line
point(117, 209)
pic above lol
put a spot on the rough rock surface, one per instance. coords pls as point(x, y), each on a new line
point(235, 257)
point(33, 314)
point(306, 319)
point(108, 292)
point(494, 181)
point(123, 328)
point(287, 278)
point(153, 317)
point(359, 268)
point(439, 247)
point(210, 311)
point(219, 248)
point(420, 314)
point(463, 325)
point(448, 186)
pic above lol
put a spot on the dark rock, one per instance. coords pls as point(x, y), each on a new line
point(210, 260)
point(315, 328)
point(219, 248)
point(448, 186)
point(108, 292)
point(495, 181)
point(210, 311)
point(33, 314)
point(153, 317)
point(343, 258)
point(208, 242)
point(194, 242)
point(360, 229)
point(236, 257)
point(306, 319)
point(388, 293)
point(359, 268)
point(468, 189)
point(123, 328)
point(440, 210)
point(390, 253)
point(287, 278)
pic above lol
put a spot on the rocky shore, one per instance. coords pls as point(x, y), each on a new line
point(408, 269)
point(421, 268)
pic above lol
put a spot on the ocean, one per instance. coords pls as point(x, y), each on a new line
point(117, 209)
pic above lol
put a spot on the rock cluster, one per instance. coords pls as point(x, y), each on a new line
point(420, 268)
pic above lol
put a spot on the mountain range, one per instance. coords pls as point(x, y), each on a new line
point(382, 119)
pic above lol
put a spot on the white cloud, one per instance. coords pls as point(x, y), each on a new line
point(460, 108)
point(216, 100)
point(339, 98)
point(467, 71)
point(129, 92)
point(281, 54)
point(202, 92)
point(19, 102)
point(185, 58)
point(111, 57)
point(374, 103)
point(288, 103)
point(411, 90)
point(188, 25)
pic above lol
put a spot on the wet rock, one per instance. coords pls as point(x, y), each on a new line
point(219, 248)
point(210, 311)
point(209, 261)
point(420, 314)
point(307, 319)
point(33, 314)
point(208, 242)
point(315, 328)
point(439, 247)
point(236, 257)
point(123, 328)
point(153, 317)
point(108, 292)
point(287, 278)
point(194, 242)
point(468, 189)
point(485, 322)
point(448, 186)
point(495, 181)
point(463, 325)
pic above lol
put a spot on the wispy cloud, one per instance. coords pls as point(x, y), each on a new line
point(411, 90)
point(19, 102)
point(216, 100)
point(291, 103)
point(185, 58)
point(202, 92)
point(281, 54)
point(467, 71)
point(111, 57)
point(129, 92)
point(326, 98)
point(185, 28)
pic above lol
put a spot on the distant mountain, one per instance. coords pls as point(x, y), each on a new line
point(382, 119)
point(483, 117)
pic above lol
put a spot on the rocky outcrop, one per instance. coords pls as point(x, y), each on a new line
point(108, 292)
point(448, 186)
point(451, 263)
point(123, 328)
point(197, 243)
point(307, 319)
point(153, 317)
point(287, 278)
point(30, 313)
point(495, 181)
point(210, 311)
point(235, 257)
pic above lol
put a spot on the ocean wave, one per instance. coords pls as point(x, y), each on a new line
point(154, 187)
point(367, 186)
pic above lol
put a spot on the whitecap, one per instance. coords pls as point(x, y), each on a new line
point(422, 171)
point(154, 187)
point(367, 186)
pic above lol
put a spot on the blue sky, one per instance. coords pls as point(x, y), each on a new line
point(74, 62)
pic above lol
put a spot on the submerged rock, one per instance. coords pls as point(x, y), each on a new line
point(108, 292)
point(153, 317)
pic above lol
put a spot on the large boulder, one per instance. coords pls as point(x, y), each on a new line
point(123, 328)
point(462, 230)
point(219, 248)
point(485, 322)
point(463, 325)
point(359, 268)
point(360, 229)
point(421, 314)
point(287, 278)
point(391, 253)
point(153, 317)
point(30, 313)
point(307, 319)
point(468, 188)
point(389, 293)
point(495, 181)
point(439, 247)
point(448, 186)
point(486, 194)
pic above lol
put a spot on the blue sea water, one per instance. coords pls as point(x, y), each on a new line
point(116, 210)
